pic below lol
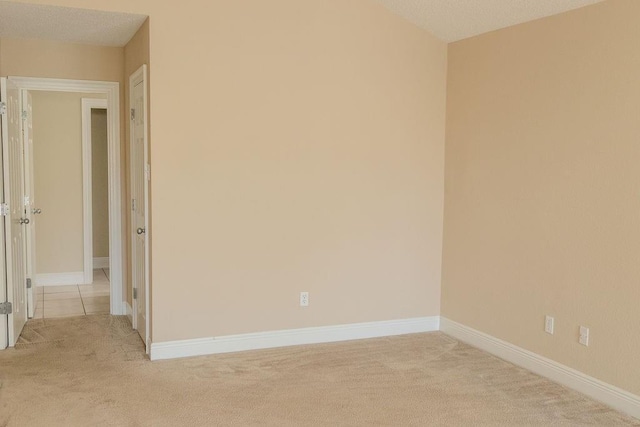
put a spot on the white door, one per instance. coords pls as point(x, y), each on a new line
point(4, 124)
point(16, 220)
point(31, 207)
point(139, 201)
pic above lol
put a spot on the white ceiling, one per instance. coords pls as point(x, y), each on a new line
point(29, 21)
point(449, 20)
point(452, 20)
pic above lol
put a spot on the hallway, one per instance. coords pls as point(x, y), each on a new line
point(74, 300)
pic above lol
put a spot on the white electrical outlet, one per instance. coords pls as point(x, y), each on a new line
point(548, 324)
point(584, 336)
point(304, 299)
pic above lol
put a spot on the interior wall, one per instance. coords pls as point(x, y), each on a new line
point(136, 53)
point(57, 147)
point(317, 164)
point(99, 183)
point(542, 185)
point(51, 59)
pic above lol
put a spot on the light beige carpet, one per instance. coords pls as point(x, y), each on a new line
point(91, 371)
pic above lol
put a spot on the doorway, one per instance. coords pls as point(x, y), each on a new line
point(110, 91)
point(65, 138)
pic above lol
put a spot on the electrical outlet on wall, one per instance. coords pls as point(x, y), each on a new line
point(548, 324)
point(584, 336)
point(304, 299)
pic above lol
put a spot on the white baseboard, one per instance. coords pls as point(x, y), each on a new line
point(56, 279)
point(291, 337)
point(126, 309)
point(592, 387)
point(102, 262)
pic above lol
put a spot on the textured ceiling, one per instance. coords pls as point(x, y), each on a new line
point(449, 20)
point(452, 20)
point(29, 21)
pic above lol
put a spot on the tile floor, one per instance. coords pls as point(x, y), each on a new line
point(74, 300)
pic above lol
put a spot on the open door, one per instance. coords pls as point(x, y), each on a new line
point(139, 202)
point(31, 209)
point(15, 219)
point(4, 301)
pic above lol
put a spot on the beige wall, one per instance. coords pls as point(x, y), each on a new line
point(57, 146)
point(296, 146)
point(542, 184)
point(99, 183)
point(40, 58)
point(136, 53)
point(316, 165)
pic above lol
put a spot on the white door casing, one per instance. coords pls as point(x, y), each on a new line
point(15, 221)
point(31, 207)
point(140, 176)
point(112, 90)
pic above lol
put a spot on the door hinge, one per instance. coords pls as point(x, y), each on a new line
point(29, 285)
point(133, 204)
point(24, 115)
point(135, 293)
point(147, 170)
point(133, 114)
point(3, 108)
point(4, 209)
point(6, 308)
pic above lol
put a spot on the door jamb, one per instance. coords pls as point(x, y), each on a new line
point(112, 90)
point(87, 179)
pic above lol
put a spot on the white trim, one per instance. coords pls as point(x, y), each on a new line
point(57, 279)
point(112, 90)
point(592, 387)
point(101, 262)
point(87, 208)
point(127, 310)
point(291, 337)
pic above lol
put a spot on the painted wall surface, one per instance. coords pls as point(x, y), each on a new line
point(57, 147)
point(41, 58)
point(136, 53)
point(317, 164)
point(543, 187)
point(99, 183)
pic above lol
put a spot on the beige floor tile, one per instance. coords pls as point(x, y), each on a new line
point(91, 294)
point(104, 282)
point(95, 300)
point(95, 287)
point(97, 308)
point(57, 289)
point(63, 304)
point(63, 313)
point(99, 275)
point(61, 296)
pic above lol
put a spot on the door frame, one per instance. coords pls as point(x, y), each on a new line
point(141, 73)
point(112, 91)
point(88, 104)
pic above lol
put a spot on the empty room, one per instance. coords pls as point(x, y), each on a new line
point(401, 212)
